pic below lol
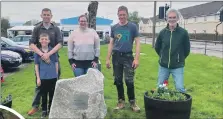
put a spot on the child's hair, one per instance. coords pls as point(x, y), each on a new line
point(44, 35)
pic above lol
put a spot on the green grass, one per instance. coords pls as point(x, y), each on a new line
point(203, 80)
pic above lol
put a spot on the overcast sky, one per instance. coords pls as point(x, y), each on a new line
point(24, 11)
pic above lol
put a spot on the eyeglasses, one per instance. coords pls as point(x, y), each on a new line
point(83, 21)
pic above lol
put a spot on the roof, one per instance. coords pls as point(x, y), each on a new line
point(74, 21)
point(205, 9)
point(22, 28)
point(144, 20)
point(202, 9)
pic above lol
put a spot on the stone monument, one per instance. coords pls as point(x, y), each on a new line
point(80, 98)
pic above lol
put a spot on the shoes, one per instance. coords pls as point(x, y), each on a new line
point(120, 105)
point(33, 111)
point(134, 107)
point(44, 114)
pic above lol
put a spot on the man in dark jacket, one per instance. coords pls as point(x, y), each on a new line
point(173, 47)
point(56, 42)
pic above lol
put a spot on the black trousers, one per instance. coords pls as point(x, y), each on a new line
point(122, 63)
point(47, 88)
point(37, 96)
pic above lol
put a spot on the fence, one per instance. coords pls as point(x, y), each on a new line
point(206, 47)
point(196, 36)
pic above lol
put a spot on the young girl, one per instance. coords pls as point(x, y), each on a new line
point(47, 73)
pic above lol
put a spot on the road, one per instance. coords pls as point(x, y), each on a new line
point(198, 47)
point(11, 71)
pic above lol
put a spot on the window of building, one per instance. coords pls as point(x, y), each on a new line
point(65, 33)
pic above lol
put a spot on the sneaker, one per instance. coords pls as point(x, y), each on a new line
point(120, 105)
point(134, 107)
point(33, 111)
point(44, 114)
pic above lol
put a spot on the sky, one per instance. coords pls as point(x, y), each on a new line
point(24, 11)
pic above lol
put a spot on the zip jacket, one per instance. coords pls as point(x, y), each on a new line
point(173, 47)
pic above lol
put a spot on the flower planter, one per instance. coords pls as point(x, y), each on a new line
point(164, 109)
point(8, 101)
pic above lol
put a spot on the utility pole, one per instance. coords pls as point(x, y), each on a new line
point(154, 25)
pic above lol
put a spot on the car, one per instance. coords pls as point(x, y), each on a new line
point(2, 74)
point(10, 59)
point(24, 51)
point(22, 39)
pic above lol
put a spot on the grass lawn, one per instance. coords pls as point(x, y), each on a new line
point(203, 80)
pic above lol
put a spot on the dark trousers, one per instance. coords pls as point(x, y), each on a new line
point(47, 87)
point(122, 63)
point(37, 96)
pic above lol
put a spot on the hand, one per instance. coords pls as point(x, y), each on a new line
point(46, 57)
point(47, 61)
point(73, 66)
point(94, 64)
point(108, 63)
point(135, 64)
point(38, 82)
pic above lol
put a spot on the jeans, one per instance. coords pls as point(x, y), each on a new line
point(37, 96)
point(80, 71)
point(122, 63)
point(178, 76)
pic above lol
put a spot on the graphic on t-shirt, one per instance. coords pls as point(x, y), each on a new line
point(122, 35)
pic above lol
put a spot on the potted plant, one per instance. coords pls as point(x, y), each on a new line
point(164, 103)
point(8, 101)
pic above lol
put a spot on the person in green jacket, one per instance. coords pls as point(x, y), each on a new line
point(173, 46)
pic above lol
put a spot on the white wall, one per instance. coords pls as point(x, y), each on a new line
point(199, 24)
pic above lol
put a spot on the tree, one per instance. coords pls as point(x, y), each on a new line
point(4, 26)
point(92, 13)
point(134, 17)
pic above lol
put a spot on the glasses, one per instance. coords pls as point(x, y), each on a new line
point(83, 21)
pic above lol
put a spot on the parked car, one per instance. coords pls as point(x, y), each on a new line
point(22, 39)
point(2, 72)
point(24, 51)
point(10, 59)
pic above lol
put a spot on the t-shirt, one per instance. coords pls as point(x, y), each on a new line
point(124, 36)
point(47, 71)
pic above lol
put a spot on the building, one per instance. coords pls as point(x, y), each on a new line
point(144, 25)
point(72, 23)
point(69, 24)
point(201, 18)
